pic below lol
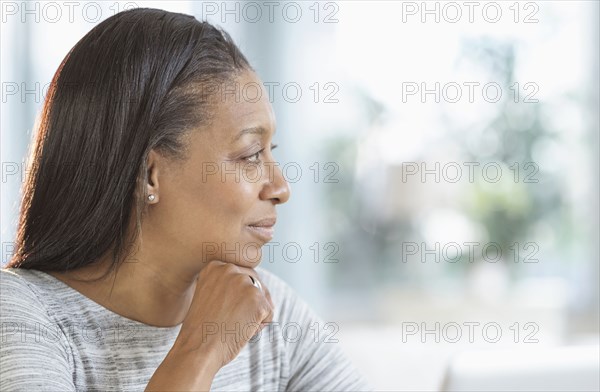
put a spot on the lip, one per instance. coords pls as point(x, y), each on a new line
point(263, 228)
point(265, 233)
point(265, 222)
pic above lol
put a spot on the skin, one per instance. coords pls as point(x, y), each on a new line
point(196, 218)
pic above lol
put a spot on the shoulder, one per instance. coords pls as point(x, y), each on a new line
point(18, 295)
point(281, 291)
point(31, 339)
point(15, 284)
point(274, 282)
point(290, 306)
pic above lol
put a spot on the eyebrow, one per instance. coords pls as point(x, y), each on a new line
point(256, 130)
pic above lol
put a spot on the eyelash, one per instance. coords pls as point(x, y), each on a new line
point(273, 146)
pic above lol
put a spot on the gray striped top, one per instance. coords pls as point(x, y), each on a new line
point(53, 338)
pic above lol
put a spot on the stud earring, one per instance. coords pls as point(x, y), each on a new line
point(151, 197)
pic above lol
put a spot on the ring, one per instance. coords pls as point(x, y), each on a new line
point(255, 282)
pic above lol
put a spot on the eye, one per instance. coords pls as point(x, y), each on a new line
point(254, 157)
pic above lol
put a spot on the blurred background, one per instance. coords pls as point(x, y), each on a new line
point(443, 161)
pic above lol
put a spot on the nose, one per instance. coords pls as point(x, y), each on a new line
point(275, 188)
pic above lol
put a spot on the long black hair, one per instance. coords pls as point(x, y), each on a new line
point(137, 81)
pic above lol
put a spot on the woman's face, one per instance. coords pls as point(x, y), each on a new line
point(209, 206)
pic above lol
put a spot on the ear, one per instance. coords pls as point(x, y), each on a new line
point(152, 186)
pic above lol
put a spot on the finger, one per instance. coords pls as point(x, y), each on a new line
point(254, 274)
point(248, 271)
point(268, 295)
point(268, 319)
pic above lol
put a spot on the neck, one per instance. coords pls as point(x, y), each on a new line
point(142, 291)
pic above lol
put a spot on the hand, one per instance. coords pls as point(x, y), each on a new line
point(227, 310)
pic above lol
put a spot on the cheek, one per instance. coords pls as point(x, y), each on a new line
point(219, 206)
point(218, 226)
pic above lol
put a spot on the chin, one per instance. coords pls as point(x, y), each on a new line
point(251, 254)
point(244, 250)
point(246, 253)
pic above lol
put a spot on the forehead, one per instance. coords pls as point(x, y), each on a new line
point(242, 103)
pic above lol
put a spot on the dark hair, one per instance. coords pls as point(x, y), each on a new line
point(132, 84)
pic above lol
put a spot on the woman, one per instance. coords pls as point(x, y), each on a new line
point(151, 191)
